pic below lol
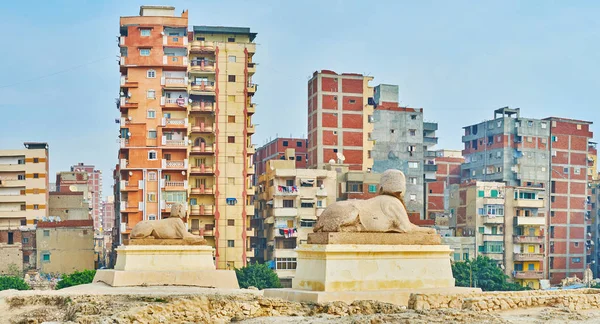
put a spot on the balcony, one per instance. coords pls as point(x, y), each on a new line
point(250, 129)
point(251, 191)
point(198, 47)
point(202, 170)
point(250, 150)
point(202, 129)
point(430, 154)
point(251, 88)
point(529, 203)
point(285, 191)
point(175, 61)
point(125, 83)
point(430, 140)
point(177, 103)
point(493, 220)
point(174, 185)
point(529, 257)
point(321, 192)
point(11, 182)
point(175, 165)
point(520, 239)
point(285, 212)
point(175, 41)
point(430, 167)
point(166, 205)
point(431, 127)
point(203, 149)
point(529, 275)
point(493, 237)
point(203, 87)
point(129, 185)
point(251, 109)
point(126, 103)
point(174, 143)
point(251, 68)
point(530, 220)
point(202, 210)
point(174, 82)
point(200, 66)
point(202, 107)
point(203, 190)
point(175, 123)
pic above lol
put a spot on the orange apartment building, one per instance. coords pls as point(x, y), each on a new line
point(340, 118)
point(185, 103)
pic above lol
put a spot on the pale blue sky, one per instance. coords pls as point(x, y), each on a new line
point(459, 60)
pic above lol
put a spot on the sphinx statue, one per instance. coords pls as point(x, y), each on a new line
point(168, 228)
point(385, 213)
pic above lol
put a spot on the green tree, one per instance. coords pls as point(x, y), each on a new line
point(76, 278)
point(11, 282)
point(257, 275)
point(483, 273)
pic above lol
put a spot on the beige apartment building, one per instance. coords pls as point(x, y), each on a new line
point(65, 246)
point(288, 204)
point(508, 224)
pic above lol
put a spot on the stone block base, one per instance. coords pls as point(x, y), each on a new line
point(413, 238)
point(164, 258)
point(394, 296)
point(224, 279)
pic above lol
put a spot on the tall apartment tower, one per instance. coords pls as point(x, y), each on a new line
point(94, 191)
point(448, 164)
point(403, 141)
point(570, 231)
point(186, 127)
point(340, 110)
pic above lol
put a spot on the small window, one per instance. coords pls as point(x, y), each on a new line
point(413, 197)
point(145, 32)
point(151, 94)
point(152, 176)
point(231, 39)
point(151, 217)
point(554, 139)
point(578, 126)
point(231, 78)
point(46, 233)
point(231, 222)
point(413, 117)
point(285, 143)
point(370, 118)
point(543, 125)
point(392, 131)
point(576, 260)
point(46, 257)
point(152, 134)
point(36, 175)
point(231, 98)
point(231, 58)
point(231, 201)
point(231, 119)
point(230, 139)
point(413, 165)
point(230, 243)
point(334, 98)
point(151, 114)
point(576, 170)
point(412, 180)
point(231, 180)
point(25, 240)
point(26, 258)
point(298, 144)
point(152, 155)
point(36, 160)
point(231, 159)
point(21, 177)
point(145, 52)
point(288, 203)
point(298, 158)
point(565, 170)
point(412, 132)
point(200, 39)
point(372, 188)
point(529, 123)
point(151, 74)
point(352, 101)
point(36, 207)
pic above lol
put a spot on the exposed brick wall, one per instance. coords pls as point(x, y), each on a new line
point(352, 121)
point(352, 86)
point(329, 84)
point(353, 139)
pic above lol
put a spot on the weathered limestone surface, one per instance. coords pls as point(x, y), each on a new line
point(152, 241)
point(169, 228)
point(413, 238)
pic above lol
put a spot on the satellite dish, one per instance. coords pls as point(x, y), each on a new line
point(129, 95)
point(182, 172)
point(341, 157)
point(190, 100)
point(162, 33)
point(129, 117)
point(128, 133)
point(272, 167)
point(332, 161)
point(122, 93)
point(130, 173)
point(73, 188)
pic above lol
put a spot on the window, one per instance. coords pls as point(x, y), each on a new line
point(231, 119)
point(576, 244)
point(200, 39)
point(494, 210)
point(36, 160)
point(231, 159)
point(46, 233)
point(230, 201)
point(372, 188)
point(578, 126)
point(231, 78)
point(576, 170)
point(25, 240)
point(285, 143)
point(554, 139)
point(36, 207)
point(288, 203)
point(144, 52)
point(151, 176)
point(412, 132)
point(456, 256)
point(151, 94)
point(152, 134)
point(392, 131)
point(21, 177)
point(145, 32)
point(46, 257)
point(576, 260)
point(466, 256)
point(152, 155)
point(543, 125)
point(413, 117)
point(306, 204)
point(413, 197)
point(231, 58)
point(354, 186)
point(307, 223)
point(26, 258)
point(565, 170)
point(481, 211)
point(370, 118)
point(11, 238)
point(231, 39)
point(151, 217)
point(36, 175)
point(413, 165)
point(298, 158)
point(412, 180)
point(529, 123)
point(285, 263)
point(151, 74)
point(231, 222)
point(320, 204)
point(231, 180)
point(298, 144)
point(230, 139)
point(152, 197)
point(335, 98)
point(230, 243)
point(352, 101)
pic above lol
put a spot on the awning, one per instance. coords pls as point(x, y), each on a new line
point(308, 199)
point(307, 181)
point(270, 202)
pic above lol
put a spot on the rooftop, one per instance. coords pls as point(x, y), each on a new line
point(225, 30)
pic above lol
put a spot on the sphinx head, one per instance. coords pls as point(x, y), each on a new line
point(393, 183)
point(178, 210)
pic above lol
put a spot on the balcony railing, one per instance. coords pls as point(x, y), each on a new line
point(202, 65)
point(175, 41)
point(202, 169)
point(529, 275)
point(203, 148)
point(175, 183)
point(529, 256)
point(202, 190)
point(208, 86)
point(172, 142)
point(202, 47)
point(528, 239)
point(202, 128)
point(202, 106)
point(200, 210)
point(174, 82)
point(175, 122)
point(176, 101)
point(174, 164)
point(251, 87)
point(175, 60)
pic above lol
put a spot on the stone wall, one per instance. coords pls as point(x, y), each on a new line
point(575, 299)
point(10, 254)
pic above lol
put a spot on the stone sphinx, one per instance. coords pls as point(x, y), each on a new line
point(385, 213)
point(171, 228)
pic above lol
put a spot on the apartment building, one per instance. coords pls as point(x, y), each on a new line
point(108, 213)
point(340, 112)
point(448, 164)
point(94, 190)
point(570, 221)
point(69, 206)
point(65, 246)
point(288, 204)
point(403, 141)
point(595, 214)
point(277, 149)
point(74, 181)
point(508, 224)
point(186, 109)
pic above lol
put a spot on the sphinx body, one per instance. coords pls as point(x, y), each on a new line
point(169, 228)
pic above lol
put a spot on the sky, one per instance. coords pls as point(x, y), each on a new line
point(459, 60)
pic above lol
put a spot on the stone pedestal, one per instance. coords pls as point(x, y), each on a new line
point(387, 273)
point(166, 265)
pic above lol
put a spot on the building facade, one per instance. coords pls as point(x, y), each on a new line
point(186, 127)
point(403, 141)
point(108, 214)
point(289, 202)
point(94, 191)
point(340, 112)
point(448, 164)
point(69, 206)
point(277, 149)
point(65, 246)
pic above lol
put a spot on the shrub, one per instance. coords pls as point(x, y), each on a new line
point(76, 278)
point(484, 273)
point(257, 275)
point(11, 282)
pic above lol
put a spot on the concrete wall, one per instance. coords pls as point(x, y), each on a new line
point(69, 248)
point(69, 206)
point(10, 254)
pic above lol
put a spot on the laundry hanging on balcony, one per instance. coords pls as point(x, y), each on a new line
point(287, 189)
point(288, 232)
